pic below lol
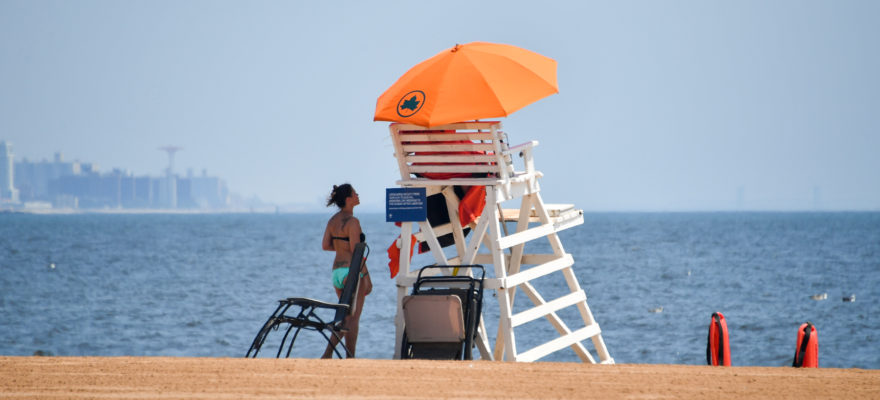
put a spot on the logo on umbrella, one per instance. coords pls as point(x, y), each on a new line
point(410, 103)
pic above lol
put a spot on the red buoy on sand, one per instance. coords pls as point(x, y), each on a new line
point(806, 353)
point(718, 346)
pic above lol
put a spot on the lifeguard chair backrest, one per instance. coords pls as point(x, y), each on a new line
point(460, 150)
point(349, 290)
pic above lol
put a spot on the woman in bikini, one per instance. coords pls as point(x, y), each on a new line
point(343, 232)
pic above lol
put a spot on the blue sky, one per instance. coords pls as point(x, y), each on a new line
point(663, 106)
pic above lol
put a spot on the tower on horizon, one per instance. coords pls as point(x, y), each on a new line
point(170, 150)
point(8, 192)
point(169, 194)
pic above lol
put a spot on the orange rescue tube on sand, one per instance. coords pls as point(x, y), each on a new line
point(718, 346)
point(806, 353)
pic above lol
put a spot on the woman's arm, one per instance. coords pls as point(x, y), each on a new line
point(326, 242)
point(353, 229)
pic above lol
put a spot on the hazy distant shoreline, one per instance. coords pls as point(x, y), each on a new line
point(146, 211)
point(295, 210)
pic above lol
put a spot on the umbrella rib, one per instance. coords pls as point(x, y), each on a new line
point(525, 67)
point(494, 95)
point(511, 108)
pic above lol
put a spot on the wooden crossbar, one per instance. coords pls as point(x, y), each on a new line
point(452, 168)
point(443, 137)
point(557, 322)
point(538, 271)
point(559, 343)
point(527, 259)
point(410, 148)
point(547, 308)
point(451, 158)
point(526, 235)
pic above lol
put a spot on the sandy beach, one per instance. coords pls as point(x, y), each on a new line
point(228, 378)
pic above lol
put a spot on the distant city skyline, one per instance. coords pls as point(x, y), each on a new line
point(679, 105)
point(70, 185)
point(810, 201)
point(57, 154)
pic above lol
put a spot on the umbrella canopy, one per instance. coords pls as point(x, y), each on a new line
point(471, 81)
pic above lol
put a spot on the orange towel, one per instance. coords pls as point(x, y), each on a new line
point(394, 255)
point(471, 205)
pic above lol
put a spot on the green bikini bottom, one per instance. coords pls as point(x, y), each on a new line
point(339, 275)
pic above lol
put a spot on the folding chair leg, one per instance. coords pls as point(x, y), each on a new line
point(261, 335)
point(284, 339)
point(258, 341)
point(292, 341)
point(338, 343)
point(344, 347)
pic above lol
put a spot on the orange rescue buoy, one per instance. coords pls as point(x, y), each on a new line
point(806, 354)
point(718, 346)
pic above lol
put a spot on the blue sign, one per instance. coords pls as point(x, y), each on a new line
point(406, 204)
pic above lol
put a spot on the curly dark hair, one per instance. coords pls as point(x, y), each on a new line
point(339, 194)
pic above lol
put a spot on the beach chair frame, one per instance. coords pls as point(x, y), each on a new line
point(304, 313)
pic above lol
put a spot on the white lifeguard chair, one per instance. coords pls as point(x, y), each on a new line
point(478, 154)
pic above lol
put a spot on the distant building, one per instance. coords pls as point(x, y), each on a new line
point(8, 192)
point(32, 178)
point(138, 192)
point(90, 190)
point(168, 191)
point(62, 184)
point(203, 192)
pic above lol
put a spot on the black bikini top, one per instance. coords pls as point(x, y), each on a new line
point(363, 238)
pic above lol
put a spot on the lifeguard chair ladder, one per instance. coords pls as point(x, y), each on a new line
point(479, 150)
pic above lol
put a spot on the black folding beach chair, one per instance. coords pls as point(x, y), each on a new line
point(442, 314)
point(302, 313)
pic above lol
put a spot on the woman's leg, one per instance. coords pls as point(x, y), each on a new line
point(353, 320)
point(328, 352)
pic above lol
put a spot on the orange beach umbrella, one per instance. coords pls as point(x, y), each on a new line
point(472, 81)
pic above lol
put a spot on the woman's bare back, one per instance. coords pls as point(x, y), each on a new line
point(344, 233)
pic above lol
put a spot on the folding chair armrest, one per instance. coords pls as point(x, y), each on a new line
point(302, 301)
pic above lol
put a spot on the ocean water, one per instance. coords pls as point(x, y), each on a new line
point(202, 285)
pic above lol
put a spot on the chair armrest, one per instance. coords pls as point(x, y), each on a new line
point(523, 146)
point(525, 151)
point(301, 301)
